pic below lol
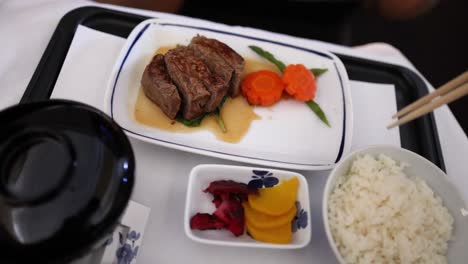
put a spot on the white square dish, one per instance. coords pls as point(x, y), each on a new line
point(278, 138)
point(198, 201)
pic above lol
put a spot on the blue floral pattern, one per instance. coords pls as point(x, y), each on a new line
point(127, 251)
point(133, 236)
point(301, 219)
point(262, 178)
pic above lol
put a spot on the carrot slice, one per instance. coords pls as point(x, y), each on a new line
point(262, 87)
point(299, 82)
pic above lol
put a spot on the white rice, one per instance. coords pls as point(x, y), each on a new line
point(379, 215)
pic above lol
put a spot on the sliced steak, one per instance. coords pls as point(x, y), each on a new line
point(218, 89)
point(221, 59)
point(184, 68)
point(159, 88)
point(214, 84)
point(214, 61)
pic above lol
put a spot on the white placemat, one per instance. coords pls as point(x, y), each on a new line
point(161, 178)
point(373, 106)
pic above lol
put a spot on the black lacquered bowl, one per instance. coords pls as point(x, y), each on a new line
point(66, 176)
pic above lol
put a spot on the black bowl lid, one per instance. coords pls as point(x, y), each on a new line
point(66, 175)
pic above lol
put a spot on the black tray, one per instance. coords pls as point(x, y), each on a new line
point(419, 136)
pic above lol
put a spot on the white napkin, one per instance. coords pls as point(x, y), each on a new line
point(92, 55)
point(373, 106)
point(87, 66)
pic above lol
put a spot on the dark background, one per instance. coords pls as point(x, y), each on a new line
point(436, 42)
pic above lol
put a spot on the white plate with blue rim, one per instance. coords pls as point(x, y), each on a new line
point(287, 135)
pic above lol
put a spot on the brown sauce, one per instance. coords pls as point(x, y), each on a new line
point(236, 112)
point(163, 49)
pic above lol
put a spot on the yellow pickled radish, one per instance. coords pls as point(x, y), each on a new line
point(278, 235)
point(276, 200)
point(264, 221)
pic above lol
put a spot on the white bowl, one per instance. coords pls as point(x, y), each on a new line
point(424, 169)
point(199, 202)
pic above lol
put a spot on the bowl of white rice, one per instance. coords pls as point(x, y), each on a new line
point(384, 204)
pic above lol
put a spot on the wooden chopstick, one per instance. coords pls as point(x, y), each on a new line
point(459, 80)
point(448, 93)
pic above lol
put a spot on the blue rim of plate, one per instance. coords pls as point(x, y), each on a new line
point(143, 30)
